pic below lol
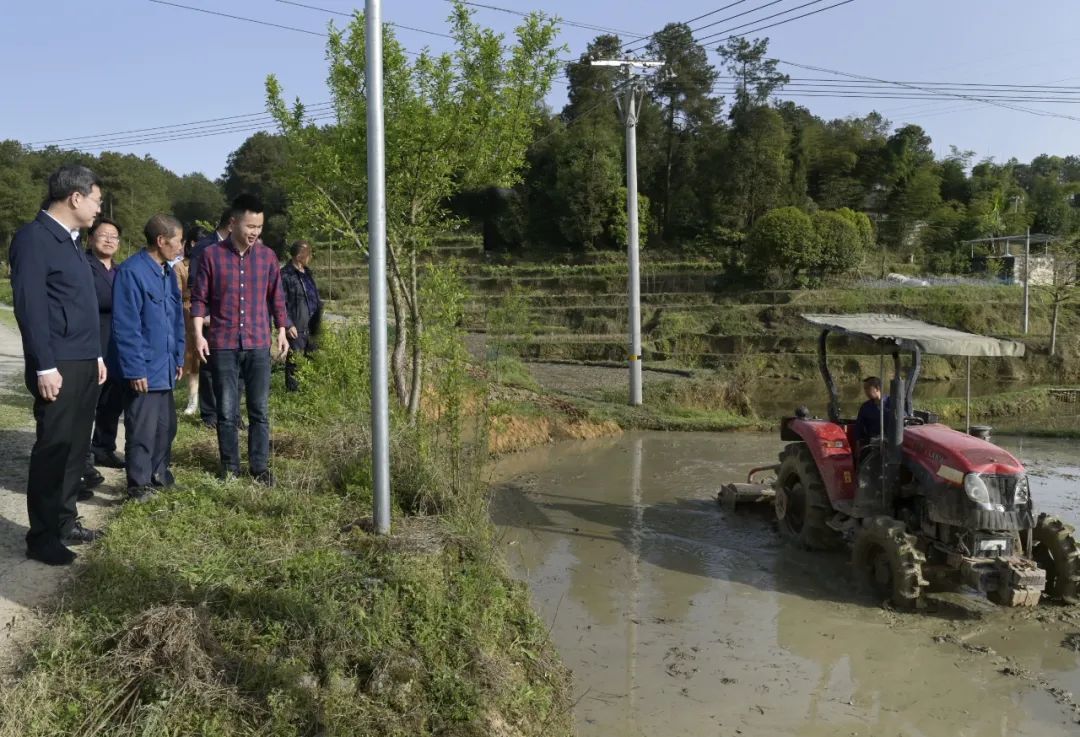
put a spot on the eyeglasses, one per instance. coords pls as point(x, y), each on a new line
point(96, 200)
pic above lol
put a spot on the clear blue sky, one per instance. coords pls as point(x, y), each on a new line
point(72, 68)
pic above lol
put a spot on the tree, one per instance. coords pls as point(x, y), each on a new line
point(194, 197)
point(1064, 281)
point(683, 87)
point(756, 77)
point(20, 195)
point(757, 165)
point(783, 247)
point(841, 246)
point(255, 168)
point(589, 177)
point(454, 122)
point(133, 189)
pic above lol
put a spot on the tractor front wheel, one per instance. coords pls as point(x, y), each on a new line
point(1054, 550)
point(802, 504)
point(887, 560)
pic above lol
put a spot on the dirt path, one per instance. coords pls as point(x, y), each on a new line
point(27, 585)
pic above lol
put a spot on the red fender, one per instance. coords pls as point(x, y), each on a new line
point(830, 446)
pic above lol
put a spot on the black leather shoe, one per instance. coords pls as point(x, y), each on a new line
point(51, 553)
point(92, 477)
point(266, 478)
point(78, 535)
point(108, 459)
point(141, 494)
point(83, 492)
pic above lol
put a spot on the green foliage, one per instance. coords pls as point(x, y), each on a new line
point(454, 122)
point(256, 168)
point(233, 610)
point(862, 224)
point(783, 247)
point(134, 188)
point(195, 198)
point(841, 245)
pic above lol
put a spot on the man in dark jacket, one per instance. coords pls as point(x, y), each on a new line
point(104, 242)
point(304, 307)
point(147, 350)
point(56, 308)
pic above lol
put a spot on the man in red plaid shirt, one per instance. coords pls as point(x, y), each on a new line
point(238, 286)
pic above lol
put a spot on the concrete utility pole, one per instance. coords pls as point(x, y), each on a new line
point(630, 106)
point(1027, 280)
point(376, 172)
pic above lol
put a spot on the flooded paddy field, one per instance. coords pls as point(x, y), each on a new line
point(679, 618)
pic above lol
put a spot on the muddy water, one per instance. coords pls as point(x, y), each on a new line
point(678, 619)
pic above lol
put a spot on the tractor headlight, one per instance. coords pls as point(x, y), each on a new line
point(1022, 495)
point(975, 488)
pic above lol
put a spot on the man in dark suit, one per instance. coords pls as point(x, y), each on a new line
point(56, 308)
point(104, 243)
point(207, 403)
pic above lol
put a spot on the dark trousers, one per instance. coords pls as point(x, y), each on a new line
point(207, 404)
point(207, 400)
point(252, 367)
point(149, 428)
point(59, 454)
point(110, 405)
point(301, 344)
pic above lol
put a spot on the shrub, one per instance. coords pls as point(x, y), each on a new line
point(783, 248)
point(841, 245)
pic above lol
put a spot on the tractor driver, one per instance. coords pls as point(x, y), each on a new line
point(868, 422)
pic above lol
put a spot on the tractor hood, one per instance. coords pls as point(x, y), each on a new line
point(950, 455)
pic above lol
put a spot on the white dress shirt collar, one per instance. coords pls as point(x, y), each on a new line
point(74, 231)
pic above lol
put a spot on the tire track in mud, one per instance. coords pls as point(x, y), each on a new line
point(1011, 666)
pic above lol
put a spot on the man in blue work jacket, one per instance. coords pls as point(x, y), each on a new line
point(147, 351)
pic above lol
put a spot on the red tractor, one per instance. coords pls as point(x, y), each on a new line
point(922, 504)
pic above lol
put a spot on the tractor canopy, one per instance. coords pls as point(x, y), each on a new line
point(895, 333)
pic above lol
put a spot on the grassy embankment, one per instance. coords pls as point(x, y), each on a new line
point(229, 609)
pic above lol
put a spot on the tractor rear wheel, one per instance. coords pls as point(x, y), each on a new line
point(802, 504)
point(887, 560)
point(1054, 549)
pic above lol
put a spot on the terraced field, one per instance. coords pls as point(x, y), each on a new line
point(696, 316)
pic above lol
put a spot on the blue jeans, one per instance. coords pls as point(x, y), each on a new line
point(227, 369)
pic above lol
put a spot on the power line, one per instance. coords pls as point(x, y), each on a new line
point(957, 95)
point(762, 20)
point(783, 22)
point(988, 86)
point(722, 20)
point(563, 21)
point(714, 12)
point(189, 136)
point(868, 95)
point(178, 126)
point(350, 15)
point(240, 17)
